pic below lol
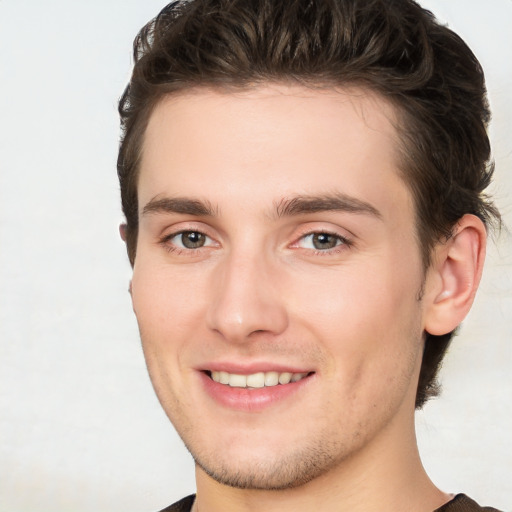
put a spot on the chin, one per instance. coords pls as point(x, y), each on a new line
point(269, 471)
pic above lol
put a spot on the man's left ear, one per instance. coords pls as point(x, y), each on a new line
point(454, 276)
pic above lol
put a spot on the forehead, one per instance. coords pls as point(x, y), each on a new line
point(270, 142)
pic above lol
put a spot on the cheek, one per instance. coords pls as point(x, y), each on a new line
point(164, 302)
point(166, 307)
point(352, 299)
point(372, 345)
point(369, 322)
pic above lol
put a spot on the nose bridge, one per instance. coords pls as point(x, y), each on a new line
point(244, 297)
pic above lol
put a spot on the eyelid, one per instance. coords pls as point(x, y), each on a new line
point(176, 228)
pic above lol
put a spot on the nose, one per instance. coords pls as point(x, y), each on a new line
point(246, 299)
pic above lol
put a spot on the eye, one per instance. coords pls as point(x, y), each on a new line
point(321, 241)
point(189, 240)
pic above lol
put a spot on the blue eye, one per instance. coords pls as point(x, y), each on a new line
point(321, 241)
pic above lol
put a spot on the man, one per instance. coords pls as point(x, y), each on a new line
point(303, 188)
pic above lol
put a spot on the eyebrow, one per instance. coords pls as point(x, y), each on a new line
point(330, 202)
point(286, 207)
point(181, 205)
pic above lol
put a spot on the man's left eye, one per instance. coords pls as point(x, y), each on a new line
point(321, 241)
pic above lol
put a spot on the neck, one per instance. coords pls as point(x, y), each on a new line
point(386, 476)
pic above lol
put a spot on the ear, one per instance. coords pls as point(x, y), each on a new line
point(122, 232)
point(454, 276)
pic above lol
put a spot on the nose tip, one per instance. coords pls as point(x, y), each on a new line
point(246, 302)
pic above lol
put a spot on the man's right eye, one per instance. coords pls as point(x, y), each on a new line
point(189, 240)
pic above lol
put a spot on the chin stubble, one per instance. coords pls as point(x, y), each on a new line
point(293, 470)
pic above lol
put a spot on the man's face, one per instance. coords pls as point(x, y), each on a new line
point(276, 237)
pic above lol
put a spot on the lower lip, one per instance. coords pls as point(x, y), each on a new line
point(251, 400)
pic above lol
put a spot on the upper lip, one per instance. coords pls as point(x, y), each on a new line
point(251, 368)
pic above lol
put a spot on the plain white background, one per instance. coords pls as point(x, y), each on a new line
point(80, 427)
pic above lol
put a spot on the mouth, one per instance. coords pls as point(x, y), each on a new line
point(253, 391)
point(256, 380)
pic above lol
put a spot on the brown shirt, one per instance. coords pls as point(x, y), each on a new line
point(461, 503)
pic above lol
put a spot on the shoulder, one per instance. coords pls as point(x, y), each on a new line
point(184, 505)
point(461, 503)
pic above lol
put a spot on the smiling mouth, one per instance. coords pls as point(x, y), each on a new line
point(256, 380)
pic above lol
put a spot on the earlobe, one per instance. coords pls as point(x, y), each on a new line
point(454, 278)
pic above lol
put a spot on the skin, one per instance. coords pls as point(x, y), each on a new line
point(260, 292)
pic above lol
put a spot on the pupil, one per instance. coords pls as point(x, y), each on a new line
point(192, 239)
point(324, 241)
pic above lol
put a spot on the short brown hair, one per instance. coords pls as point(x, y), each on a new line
point(392, 47)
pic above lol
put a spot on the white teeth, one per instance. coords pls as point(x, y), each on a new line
point(271, 379)
point(237, 381)
point(256, 380)
point(285, 378)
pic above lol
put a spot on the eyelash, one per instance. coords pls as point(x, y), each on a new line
point(344, 244)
